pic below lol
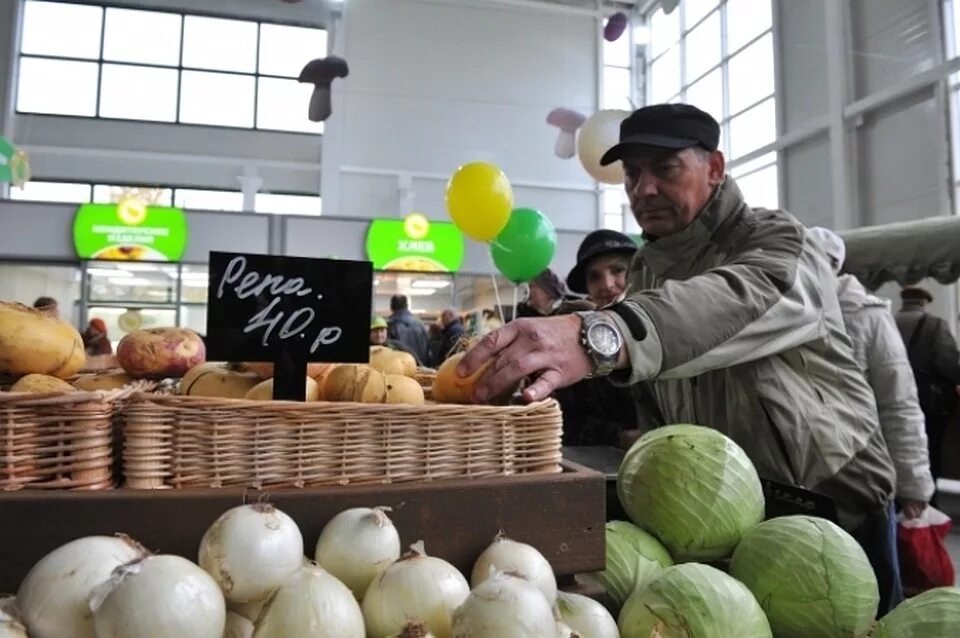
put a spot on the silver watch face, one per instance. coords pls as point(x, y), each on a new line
point(604, 339)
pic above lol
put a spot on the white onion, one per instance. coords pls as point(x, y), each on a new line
point(416, 587)
point(414, 630)
point(10, 626)
point(586, 616)
point(311, 603)
point(357, 545)
point(158, 597)
point(564, 631)
point(52, 599)
point(250, 611)
point(250, 550)
point(505, 555)
point(237, 626)
point(505, 606)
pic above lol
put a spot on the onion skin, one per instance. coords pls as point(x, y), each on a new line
point(160, 596)
point(432, 589)
point(313, 604)
point(505, 606)
point(506, 555)
point(357, 545)
point(250, 551)
point(72, 570)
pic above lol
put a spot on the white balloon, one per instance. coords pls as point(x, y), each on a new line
point(598, 134)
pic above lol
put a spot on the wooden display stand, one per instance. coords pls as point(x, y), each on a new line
point(561, 514)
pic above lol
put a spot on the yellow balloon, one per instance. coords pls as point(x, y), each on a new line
point(479, 200)
point(598, 134)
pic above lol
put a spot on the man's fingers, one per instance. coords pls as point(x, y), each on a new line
point(511, 367)
point(544, 386)
point(486, 349)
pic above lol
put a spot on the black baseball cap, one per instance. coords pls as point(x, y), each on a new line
point(674, 126)
point(599, 242)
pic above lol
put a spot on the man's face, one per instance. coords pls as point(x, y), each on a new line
point(667, 189)
point(378, 336)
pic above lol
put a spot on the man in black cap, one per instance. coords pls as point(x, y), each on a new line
point(733, 313)
point(936, 367)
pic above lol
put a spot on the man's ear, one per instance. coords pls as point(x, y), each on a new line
point(718, 167)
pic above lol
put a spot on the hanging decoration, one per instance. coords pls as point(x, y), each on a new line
point(321, 73)
point(568, 121)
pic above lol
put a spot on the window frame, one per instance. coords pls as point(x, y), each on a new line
point(179, 68)
point(726, 55)
point(92, 184)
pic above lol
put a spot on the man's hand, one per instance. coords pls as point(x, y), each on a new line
point(547, 349)
point(912, 509)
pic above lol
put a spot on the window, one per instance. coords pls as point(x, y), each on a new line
point(758, 181)
point(93, 61)
point(63, 192)
point(189, 198)
point(718, 56)
point(288, 204)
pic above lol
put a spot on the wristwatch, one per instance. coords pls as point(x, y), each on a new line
point(602, 341)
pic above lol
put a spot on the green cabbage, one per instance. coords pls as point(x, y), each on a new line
point(634, 558)
point(811, 578)
point(693, 488)
point(932, 613)
point(693, 601)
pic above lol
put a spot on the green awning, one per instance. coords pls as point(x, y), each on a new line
point(904, 252)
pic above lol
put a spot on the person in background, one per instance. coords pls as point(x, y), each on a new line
point(491, 321)
point(936, 366)
point(48, 306)
point(378, 331)
point(879, 349)
point(548, 296)
point(407, 330)
point(603, 266)
point(595, 412)
point(95, 339)
point(733, 312)
point(452, 332)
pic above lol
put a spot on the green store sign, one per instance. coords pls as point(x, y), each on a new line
point(414, 244)
point(130, 231)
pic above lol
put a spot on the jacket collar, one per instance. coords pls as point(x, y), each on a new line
point(683, 247)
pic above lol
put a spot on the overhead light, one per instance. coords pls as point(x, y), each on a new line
point(195, 283)
point(376, 282)
point(109, 272)
point(430, 283)
point(418, 292)
point(130, 281)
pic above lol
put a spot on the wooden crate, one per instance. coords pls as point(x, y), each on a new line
point(561, 514)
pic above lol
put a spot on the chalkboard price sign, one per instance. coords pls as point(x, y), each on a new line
point(288, 310)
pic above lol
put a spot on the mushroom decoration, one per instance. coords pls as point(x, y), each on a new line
point(616, 25)
point(321, 73)
point(568, 121)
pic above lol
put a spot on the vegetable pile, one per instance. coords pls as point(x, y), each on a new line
point(251, 580)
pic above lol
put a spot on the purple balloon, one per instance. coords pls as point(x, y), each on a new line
point(616, 25)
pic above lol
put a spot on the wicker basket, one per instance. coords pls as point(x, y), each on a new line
point(59, 441)
point(179, 442)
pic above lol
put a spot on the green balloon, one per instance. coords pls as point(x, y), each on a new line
point(526, 245)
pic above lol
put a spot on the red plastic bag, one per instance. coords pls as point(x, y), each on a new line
point(924, 560)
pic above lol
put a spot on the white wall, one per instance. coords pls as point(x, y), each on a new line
point(145, 153)
point(894, 143)
point(435, 84)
